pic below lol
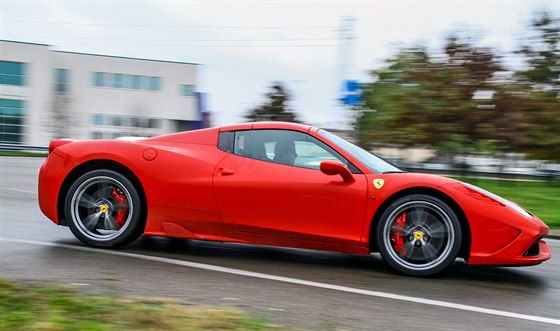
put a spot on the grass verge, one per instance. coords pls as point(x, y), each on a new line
point(23, 153)
point(540, 198)
point(49, 307)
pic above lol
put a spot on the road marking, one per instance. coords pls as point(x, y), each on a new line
point(296, 281)
point(20, 190)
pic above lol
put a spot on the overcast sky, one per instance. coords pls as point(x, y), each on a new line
point(243, 46)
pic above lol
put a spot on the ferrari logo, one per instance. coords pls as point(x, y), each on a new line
point(378, 183)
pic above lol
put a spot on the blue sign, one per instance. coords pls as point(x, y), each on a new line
point(352, 93)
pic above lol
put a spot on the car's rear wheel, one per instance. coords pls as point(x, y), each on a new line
point(419, 235)
point(103, 209)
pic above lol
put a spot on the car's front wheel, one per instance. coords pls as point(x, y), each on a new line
point(419, 235)
point(103, 209)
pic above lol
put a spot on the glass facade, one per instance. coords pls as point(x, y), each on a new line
point(12, 115)
point(134, 82)
point(12, 73)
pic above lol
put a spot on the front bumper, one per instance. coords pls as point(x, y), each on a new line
point(525, 249)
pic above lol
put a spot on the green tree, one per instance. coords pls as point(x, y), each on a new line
point(418, 100)
point(275, 108)
point(538, 89)
point(456, 102)
point(541, 50)
point(394, 115)
point(476, 120)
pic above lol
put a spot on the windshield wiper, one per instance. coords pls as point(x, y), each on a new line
point(393, 172)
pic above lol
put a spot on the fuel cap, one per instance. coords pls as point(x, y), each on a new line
point(149, 154)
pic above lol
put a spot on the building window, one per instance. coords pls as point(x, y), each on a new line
point(61, 80)
point(153, 123)
point(97, 119)
point(136, 82)
point(98, 79)
point(108, 81)
point(126, 81)
point(117, 80)
point(117, 120)
point(12, 73)
point(123, 125)
point(187, 90)
point(154, 83)
point(11, 120)
point(144, 83)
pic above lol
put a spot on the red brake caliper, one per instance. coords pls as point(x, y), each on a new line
point(121, 212)
point(396, 234)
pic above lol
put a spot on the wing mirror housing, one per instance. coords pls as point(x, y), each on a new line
point(335, 167)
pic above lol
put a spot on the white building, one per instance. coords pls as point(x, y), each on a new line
point(47, 94)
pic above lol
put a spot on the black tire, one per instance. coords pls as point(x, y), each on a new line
point(103, 209)
point(419, 235)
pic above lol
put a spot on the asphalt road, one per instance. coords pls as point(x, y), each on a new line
point(288, 286)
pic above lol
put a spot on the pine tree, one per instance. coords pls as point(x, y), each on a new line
point(275, 108)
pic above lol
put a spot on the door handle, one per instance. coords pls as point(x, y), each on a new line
point(226, 172)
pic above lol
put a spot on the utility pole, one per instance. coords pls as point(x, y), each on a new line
point(343, 117)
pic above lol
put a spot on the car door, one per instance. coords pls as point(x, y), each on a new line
point(260, 193)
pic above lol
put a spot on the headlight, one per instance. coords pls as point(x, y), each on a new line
point(499, 199)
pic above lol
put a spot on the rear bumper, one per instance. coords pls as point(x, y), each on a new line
point(51, 177)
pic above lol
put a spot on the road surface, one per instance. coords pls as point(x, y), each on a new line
point(291, 287)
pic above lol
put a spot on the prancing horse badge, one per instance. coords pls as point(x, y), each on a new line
point(378, 183)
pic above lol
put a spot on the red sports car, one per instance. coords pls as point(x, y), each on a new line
point(281, 184)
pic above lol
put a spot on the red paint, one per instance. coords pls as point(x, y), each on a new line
point(195, 190)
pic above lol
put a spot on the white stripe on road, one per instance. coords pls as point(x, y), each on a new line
point(210, 267)
point(20, 190)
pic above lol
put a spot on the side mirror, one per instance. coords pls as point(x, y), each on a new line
point(335, 167)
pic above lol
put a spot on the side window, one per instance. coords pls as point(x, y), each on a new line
point(225, 141)
point(311, 153)
point(251, 144)
point(283, 147)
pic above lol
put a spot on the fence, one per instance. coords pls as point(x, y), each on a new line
point(18, 147)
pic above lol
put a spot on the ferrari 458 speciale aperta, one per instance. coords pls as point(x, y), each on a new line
point(281, 184)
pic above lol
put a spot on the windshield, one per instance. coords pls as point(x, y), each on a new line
point(372, 162)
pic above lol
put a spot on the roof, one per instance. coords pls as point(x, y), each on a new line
point(267, 125)
point(125, 57)
point(101, 55)
point(22, 42)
